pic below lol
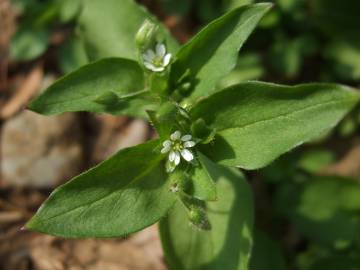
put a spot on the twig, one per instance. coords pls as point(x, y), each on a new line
point(10, 217)
point(28, 89)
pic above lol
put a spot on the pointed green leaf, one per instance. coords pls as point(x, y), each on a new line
point(27, 44)
point(213, 52)
point(69, 10)
point(82, 89)
point(257, 122)
point(122, 195)
point(202, 185)
point(72, 54)
point(108, 28)
point(228, 244)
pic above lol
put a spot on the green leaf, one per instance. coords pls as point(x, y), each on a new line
point(228, 244)
point(317, 198)
point(286, 56)
point(213, 52)
point(28, 44)
point(338, 230)
point(289, 5)
point(108, 28)
point(82, 89)
point(231, 4)
point(207, 10)
point(38, 15)
point(32, 36)
point(257, 122)
point(248, 67)
point(314, 160)
point(69, 10)
point(335, 262)
point(176, 7)
point(346, 56)
point(202, 184)
point(266, 253)
point(72, 55)
point(122, 195)
point(321, 218)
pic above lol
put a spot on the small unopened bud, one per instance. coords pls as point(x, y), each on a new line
point(146, 34)
point(178, 181)
point(185, 87)
point(175, 187)
point(200, 130)
point(198, 218)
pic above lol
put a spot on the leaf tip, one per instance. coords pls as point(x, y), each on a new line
point(32, 106)
point(29, 225)
point(266, 5)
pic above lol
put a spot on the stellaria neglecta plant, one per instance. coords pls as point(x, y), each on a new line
point(190, 174)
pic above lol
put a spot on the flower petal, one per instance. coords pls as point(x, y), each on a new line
point(172, 156)
point(189, 144)
point(149, 55)
point(152, 67)
point(158, 69)
point(166, 59)
point(160, 50)
point(149, 65)
point(165, 149)
point(175, 136)
point(146, 58)
point(187, 155)
point(170, 167)
point(177, 158)
point(186, 137)
point(167, 143)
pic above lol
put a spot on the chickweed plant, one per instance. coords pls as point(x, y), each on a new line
point(188, 178)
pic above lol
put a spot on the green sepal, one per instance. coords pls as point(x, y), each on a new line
point(146, 35)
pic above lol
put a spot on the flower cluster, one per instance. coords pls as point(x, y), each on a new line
point(177, 147)
point(157, 60)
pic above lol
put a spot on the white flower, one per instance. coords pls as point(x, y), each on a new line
point(157, 61)
point(177, 147)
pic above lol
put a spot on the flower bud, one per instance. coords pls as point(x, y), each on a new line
point(198, 218)
point(108, 99)
point(146, 34)
point(178, 181)
point(202, 131)
point(185, 87)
